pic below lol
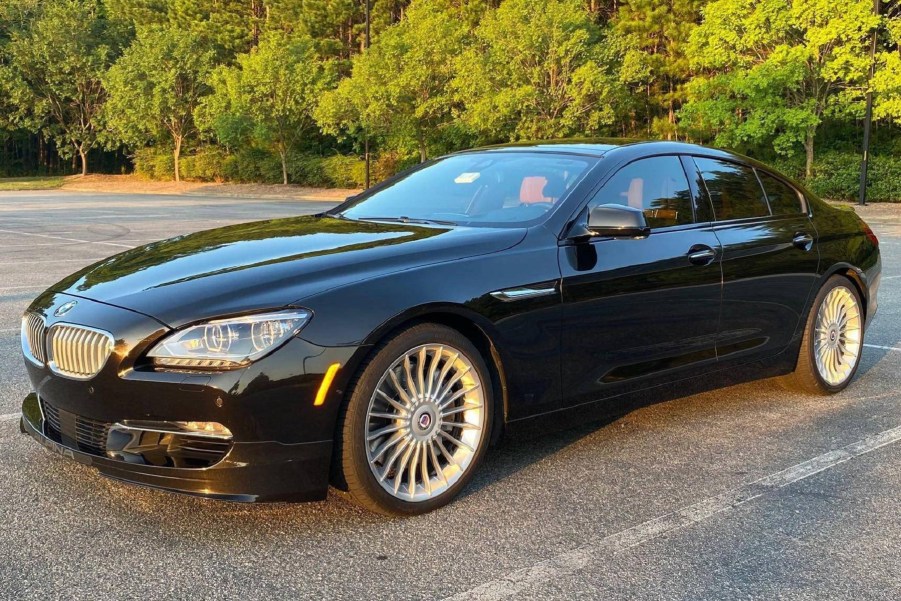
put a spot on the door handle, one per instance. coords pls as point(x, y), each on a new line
point(803, 240)
point(701, 254)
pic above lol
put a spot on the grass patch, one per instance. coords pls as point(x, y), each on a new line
point(48, 182)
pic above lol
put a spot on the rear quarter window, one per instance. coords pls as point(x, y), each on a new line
point(784, 200)
point(734, 190)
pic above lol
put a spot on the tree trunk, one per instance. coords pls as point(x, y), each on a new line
point(808, 149)
point(283, 155)
point(422, 149)
point(176, 154)
point(84, 160)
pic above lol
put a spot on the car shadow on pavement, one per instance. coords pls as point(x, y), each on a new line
point(546, 435)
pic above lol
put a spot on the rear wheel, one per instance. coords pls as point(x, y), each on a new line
point(416, 425)
point(833, 340)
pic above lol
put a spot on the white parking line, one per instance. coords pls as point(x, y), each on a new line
point(85, 261)
point(19, 287)
point(30, 245)
point(132, 217)
point(891, 277)
point(570, 562)
point(65, 239)
point(885, 348)
point(9, 416)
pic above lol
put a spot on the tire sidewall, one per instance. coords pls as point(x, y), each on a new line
point(354, 446)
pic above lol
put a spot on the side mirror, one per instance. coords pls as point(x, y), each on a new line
point(617, 221)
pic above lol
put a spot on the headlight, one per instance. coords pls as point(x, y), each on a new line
point(226, 343)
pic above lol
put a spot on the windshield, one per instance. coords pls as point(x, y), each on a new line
point(490, 188)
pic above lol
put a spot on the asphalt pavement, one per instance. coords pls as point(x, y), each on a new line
point(745, 492)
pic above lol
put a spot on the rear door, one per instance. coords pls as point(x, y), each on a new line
point(636, 309)
point(769, 258)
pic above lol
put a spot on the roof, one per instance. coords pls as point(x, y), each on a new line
point(595, 146)
point(589, 146)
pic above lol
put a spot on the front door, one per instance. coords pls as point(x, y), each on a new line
point(638, 309)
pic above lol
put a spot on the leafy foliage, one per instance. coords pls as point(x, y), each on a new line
point(268, 97)
point(652, 38)
point(775, 68)
point(401, 87)
point(53, 71)
point(155, 88)
point(286, 90)
point(536, 70)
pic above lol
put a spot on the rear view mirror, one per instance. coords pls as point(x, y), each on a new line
point(617, 221)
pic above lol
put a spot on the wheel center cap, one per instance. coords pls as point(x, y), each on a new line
point(423, 421)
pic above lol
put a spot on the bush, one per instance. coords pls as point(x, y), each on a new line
point(389, 163)
point(837, 177)
point(336, 171)
point(155, 162)
point(884, 179)
point(254, 165)
point(206, 164)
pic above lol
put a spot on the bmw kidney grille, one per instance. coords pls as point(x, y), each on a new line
point(73, 351)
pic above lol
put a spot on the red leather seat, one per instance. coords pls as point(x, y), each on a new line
point(532, 190)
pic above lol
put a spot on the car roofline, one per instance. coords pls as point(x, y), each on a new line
point(599, 147)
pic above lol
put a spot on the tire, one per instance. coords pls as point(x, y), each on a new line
point(436, 422)
point(838, 341)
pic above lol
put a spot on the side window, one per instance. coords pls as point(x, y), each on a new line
point(656, 185)
point(784, 200)
point(734, 190)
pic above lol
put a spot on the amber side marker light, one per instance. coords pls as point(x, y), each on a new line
point(326, 383)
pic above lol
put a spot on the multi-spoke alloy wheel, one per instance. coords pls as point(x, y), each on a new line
point(832, 340)
point(837, 337)
point(425, 422)
point(417, 423)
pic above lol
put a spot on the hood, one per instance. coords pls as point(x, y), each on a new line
point(269, 264)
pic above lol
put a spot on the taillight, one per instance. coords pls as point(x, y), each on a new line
point(870, 235)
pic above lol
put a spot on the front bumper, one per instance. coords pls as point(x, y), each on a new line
point(251, 472)
point(280, 448)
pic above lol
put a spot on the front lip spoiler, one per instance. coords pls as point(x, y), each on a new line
point(301, 477)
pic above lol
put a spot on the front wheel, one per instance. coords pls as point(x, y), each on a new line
point(417, 422)
point(832, 341)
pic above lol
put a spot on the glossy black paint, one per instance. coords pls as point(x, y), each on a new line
point(626, 314)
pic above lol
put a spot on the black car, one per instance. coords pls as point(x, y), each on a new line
point(382, 345)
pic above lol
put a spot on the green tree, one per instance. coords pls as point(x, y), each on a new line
point(652, 37)
point(155, 87)
point(139, 13)
point(887, 79)
point(536, 70)
point(268, 97)
point(334, 25)
point(52, 73)
point(401, 85)
point(227, 27)
point(776, 68)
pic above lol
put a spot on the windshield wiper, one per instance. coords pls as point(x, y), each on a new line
point(404, 219)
